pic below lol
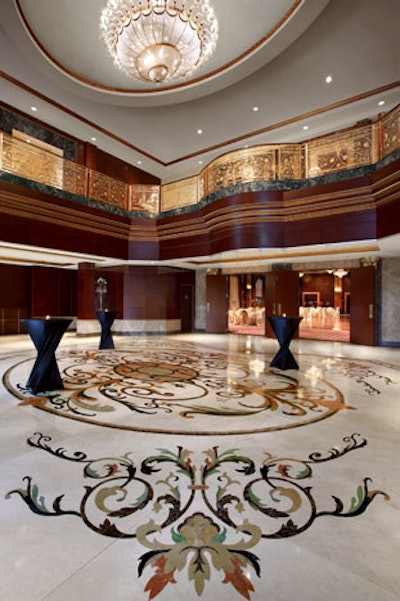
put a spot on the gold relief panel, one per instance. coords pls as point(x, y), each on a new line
point(30, 162)
point(179, 194)
point(144, 198)
point(391, 132)
point(202, 184)
point(353, 148)
point(74, 178)
point(248, 165)
point(118, 193)
point(108, 190)
point(97, 186)
point(290, 162)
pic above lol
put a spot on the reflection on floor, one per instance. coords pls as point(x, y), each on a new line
point(334, 330)
point(326, 329)
point(184, 467)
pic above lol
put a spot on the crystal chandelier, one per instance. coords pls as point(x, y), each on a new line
point(159, 40)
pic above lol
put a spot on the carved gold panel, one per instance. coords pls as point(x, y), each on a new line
point(290, 161)
point(345, 150)
point(144, 198)
point(108, 190)
point(74, 178)
point(30, 162)
point(248, 165)
point(391, 132)
point(179, 194)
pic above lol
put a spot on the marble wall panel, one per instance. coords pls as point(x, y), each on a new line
point(390, 301)
point(200, 308)
point(10, 120)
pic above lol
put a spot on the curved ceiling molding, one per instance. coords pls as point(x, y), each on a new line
point(248, 40)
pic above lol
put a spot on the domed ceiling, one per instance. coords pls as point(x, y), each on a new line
point(265, 83)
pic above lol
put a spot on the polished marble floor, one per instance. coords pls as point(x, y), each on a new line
point(185, 467)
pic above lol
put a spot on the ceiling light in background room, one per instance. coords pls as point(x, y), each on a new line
point(159, 40)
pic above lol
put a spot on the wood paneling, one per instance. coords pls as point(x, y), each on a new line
point(38, 219)
point(281, 296)
point(114, 167)
point(216, 304)
point(363, 306)
point(359, 209)
point(151, 293)
point(53, 292)
point(34, 292)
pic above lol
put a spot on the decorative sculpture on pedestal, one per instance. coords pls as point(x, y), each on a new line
point(101, 291)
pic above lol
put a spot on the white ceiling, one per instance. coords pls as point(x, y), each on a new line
point(51, 57)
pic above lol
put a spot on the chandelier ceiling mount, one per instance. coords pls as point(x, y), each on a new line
point(159, 40)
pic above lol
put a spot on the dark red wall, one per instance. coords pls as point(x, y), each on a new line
point(153, 292)
point(113, 167)
point(34, 292)
point(319, 282)
point(134, 292)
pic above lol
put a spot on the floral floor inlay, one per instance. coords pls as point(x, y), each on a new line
point(200, 514)
point(173, 388)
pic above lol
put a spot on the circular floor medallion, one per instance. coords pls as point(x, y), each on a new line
point(179, 389)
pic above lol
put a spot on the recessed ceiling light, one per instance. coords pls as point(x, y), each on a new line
point(199, 131)
point(139, 162)
point(328, 79)
point(200, 162)
point(381, 103)
point(93, 139)
point(305, 127)
point(255, 108)
point(33, 109)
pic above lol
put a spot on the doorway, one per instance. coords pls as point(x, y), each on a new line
point(325, 305)
point(246, 309)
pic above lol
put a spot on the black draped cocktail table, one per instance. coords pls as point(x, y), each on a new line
point(284, 329)
point(46, 334)
point(106, 319)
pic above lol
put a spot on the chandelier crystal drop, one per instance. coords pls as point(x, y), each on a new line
point(159, 40)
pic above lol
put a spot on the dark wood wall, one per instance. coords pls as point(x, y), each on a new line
point(103, 162)
point(140, 293)
point(34, 292)
point(319, 282)
point(134, 292)
point(154, 292)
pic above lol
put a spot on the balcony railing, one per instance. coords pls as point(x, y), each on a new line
point(360, 146)
point(30, 162)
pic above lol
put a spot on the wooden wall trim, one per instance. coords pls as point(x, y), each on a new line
point(363, 208)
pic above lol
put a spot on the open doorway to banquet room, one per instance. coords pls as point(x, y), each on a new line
point(323, 300)
point(246, 313)
point(325, 305)
point(329, 309)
